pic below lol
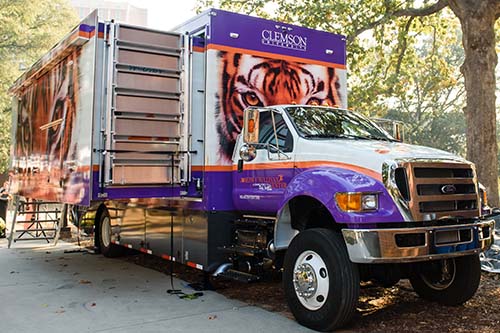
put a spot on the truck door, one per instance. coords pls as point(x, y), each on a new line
point(144, 125)
point(259, 185)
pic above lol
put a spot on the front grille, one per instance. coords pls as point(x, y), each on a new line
point(438, 190)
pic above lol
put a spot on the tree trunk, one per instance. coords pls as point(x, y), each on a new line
point(477, 19)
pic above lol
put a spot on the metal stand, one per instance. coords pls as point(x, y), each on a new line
point(44, 223)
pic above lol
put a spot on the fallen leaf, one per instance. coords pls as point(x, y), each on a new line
point(85, 282)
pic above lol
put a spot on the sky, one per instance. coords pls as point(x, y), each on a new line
point(166, 14)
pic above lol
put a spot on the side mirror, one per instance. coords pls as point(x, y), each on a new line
point(251, 126)
point(248, 153)
point(398, 131)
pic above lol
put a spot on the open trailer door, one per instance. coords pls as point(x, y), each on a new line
point(144, 107)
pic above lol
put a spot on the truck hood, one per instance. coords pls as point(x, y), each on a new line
point(367, 154)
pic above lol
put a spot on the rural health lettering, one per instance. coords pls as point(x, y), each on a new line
point(284, 40)
point(264, 183)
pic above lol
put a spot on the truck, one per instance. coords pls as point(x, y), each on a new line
point(226, 145)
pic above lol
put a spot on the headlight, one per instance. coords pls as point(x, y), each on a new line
point(357, 201)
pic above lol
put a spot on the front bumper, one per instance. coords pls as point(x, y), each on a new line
point(418, 244)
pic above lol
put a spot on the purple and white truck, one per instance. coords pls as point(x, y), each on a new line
point(226, 145)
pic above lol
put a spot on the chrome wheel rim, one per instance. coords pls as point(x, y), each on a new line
point(441, 278)
point(106, 231)
point(311, 280)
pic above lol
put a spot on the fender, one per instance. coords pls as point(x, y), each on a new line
point(321, 183)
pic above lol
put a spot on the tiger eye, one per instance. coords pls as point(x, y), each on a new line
point(251, 99)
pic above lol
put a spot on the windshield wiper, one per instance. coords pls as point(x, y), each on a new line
point(335, 136)
point(380, 138)
point(347, 136)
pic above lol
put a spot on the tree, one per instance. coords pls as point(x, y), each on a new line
point(28, 29)
point(395, 26)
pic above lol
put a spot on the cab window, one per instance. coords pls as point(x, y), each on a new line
point(267, 136)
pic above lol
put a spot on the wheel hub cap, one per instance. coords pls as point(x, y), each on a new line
point(311, 280)
point(305, 281)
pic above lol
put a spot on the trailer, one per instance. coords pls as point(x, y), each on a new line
point(226, 145)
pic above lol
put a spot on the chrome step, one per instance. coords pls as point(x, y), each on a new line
point(239, 276)
point(242, 250)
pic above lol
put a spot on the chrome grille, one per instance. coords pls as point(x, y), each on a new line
point(438, 190)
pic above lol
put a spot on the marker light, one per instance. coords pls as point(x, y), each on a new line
point(251, 125)
point(356, 201)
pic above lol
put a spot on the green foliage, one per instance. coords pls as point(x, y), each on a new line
point(5, 130)
point(399, 67)
point(28, 29)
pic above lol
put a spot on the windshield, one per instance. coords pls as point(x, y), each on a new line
point(321, 122)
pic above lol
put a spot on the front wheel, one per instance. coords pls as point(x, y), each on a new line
point(449, 281)
point(321, 283)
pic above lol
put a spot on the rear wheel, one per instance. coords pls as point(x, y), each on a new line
point(321, 283)
point(107, 248)
point(449, 281)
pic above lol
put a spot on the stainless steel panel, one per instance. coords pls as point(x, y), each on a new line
point(148, 37)
point(146, 223)
point(138, 58)
point(147, 82)
point(158, 227)
point(132, 228)
point(136, 104)
point(147, 146)
point(196, 237)
point(146, 128)
point(143, 174)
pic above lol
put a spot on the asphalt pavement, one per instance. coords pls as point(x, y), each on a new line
point(46, 289)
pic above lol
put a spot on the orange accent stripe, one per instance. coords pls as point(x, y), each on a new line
point(198, 49)
point(100, 34)
point(289, 165)
point(212, 168)
point(83, 34)
point(311, 164)
point(95, 167)
point(274, 56)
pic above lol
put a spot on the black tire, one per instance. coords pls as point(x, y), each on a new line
point(107, 248)
point(339, 306)
point(455, 287)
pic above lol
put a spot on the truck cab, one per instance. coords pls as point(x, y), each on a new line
point(335, 182)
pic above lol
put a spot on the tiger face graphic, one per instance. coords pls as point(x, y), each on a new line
point(248, 80)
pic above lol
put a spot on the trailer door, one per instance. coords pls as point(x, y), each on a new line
point(144, 121)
